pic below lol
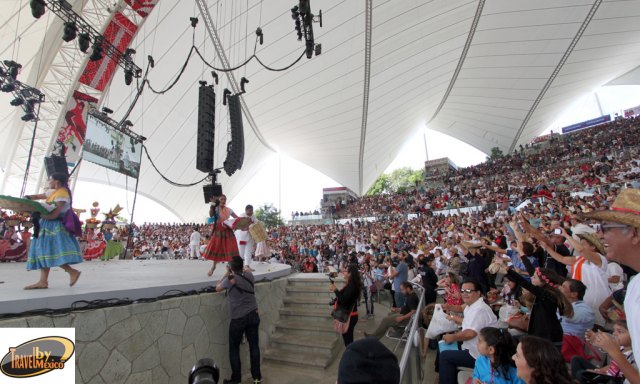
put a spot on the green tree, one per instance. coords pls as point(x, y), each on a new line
point(496, 153)
point(382, 185)
point(402, 179)
point(399, 181)
point(269, 215)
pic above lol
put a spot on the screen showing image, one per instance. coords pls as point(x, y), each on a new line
point(111, 149)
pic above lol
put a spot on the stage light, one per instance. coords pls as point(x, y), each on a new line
point(14, 68)
point(97, 52)
point(128, 77)
point(37, 8)
point(28, 116)
point(70, 31)
point(84, 41)
point(107, 110)
point(17, 102)
point(8, 87)
point(318, 49)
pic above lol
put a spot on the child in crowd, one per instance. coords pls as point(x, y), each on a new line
point(620, 341)
point(495, 365)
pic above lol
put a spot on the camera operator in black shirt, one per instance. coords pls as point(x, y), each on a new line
point(243, 310)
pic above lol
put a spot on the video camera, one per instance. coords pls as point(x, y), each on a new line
point(332, 276)
point(204, 372)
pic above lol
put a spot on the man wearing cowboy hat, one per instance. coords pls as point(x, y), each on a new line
point(621, 231)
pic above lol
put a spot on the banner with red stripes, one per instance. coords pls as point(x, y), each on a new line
point(74, 126)
point(119, 33)
point(143, 7)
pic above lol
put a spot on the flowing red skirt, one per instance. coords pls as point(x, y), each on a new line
point(222, 246)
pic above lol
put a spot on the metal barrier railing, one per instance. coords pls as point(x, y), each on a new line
point(411, 370)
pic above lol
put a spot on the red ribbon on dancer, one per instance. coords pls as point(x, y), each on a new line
point(625, 210)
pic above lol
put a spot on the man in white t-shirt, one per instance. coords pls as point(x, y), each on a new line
point(194, 244)
point(477, 315)
point(615, 275)
point(621, 231)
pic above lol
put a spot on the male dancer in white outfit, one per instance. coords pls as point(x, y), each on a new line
point(245, 241)
point(194, 244)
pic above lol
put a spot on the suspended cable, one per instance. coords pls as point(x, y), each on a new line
point(144, 147)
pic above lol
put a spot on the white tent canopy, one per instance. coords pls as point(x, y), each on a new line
point(490, 73)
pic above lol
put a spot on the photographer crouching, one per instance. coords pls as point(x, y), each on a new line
point(243, 310)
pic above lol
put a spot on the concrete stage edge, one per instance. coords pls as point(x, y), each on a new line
point(114, 279)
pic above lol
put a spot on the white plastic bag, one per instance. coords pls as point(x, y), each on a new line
point(440, 324)
point(506, 311)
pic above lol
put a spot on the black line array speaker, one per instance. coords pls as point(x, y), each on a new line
point(55, 164)
point(235, 148)
point(210, 190)
point(206, 128)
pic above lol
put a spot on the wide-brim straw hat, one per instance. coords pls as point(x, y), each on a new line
point(624, 210)
point(594, 241)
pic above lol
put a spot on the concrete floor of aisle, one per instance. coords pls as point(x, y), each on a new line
point(274, 373)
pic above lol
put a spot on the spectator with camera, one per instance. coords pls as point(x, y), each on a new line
point(243, 310)
point(347, 299)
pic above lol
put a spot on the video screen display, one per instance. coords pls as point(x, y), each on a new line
point(111, 149)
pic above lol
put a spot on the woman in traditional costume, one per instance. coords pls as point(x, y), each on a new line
point(16, 249)
point(95, 244)
point(114, 246)
point(54, 246)
point(222, 245)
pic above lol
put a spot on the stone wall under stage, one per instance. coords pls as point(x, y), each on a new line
point(158, 342)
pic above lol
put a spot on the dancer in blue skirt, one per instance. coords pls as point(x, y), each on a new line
point(54, 246)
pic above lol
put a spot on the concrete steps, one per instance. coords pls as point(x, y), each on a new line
point(304, 335)
point(297, 359)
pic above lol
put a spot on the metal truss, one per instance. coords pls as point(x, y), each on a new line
point(57, 77)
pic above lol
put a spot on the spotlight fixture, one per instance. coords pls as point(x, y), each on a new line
point(17, 102)
point(107, 110)
point(97, 51)
point(28, 116)
point(318, 49)
point(260, 35)
point(8, 87)
point(243, 81)
point(128, 77)
point(128, 53)
point(70, 31)
point(84, 41)
point(13, 68)
point(194, 21)
point(37, 8)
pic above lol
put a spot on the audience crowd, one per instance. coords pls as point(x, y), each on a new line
point(527, 264)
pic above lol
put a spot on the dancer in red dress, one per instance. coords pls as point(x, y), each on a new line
point(222, 246)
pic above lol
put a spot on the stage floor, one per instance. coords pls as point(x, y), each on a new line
point(114, 279)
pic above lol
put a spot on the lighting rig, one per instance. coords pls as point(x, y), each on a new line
point(76, 27)
point(125, 127)
point(25, 96)
point(304, 20)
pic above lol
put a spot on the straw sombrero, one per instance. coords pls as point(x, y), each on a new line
point(625, 209)
point(594, 241)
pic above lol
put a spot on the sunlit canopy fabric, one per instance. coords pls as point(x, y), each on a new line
point(490, 73)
